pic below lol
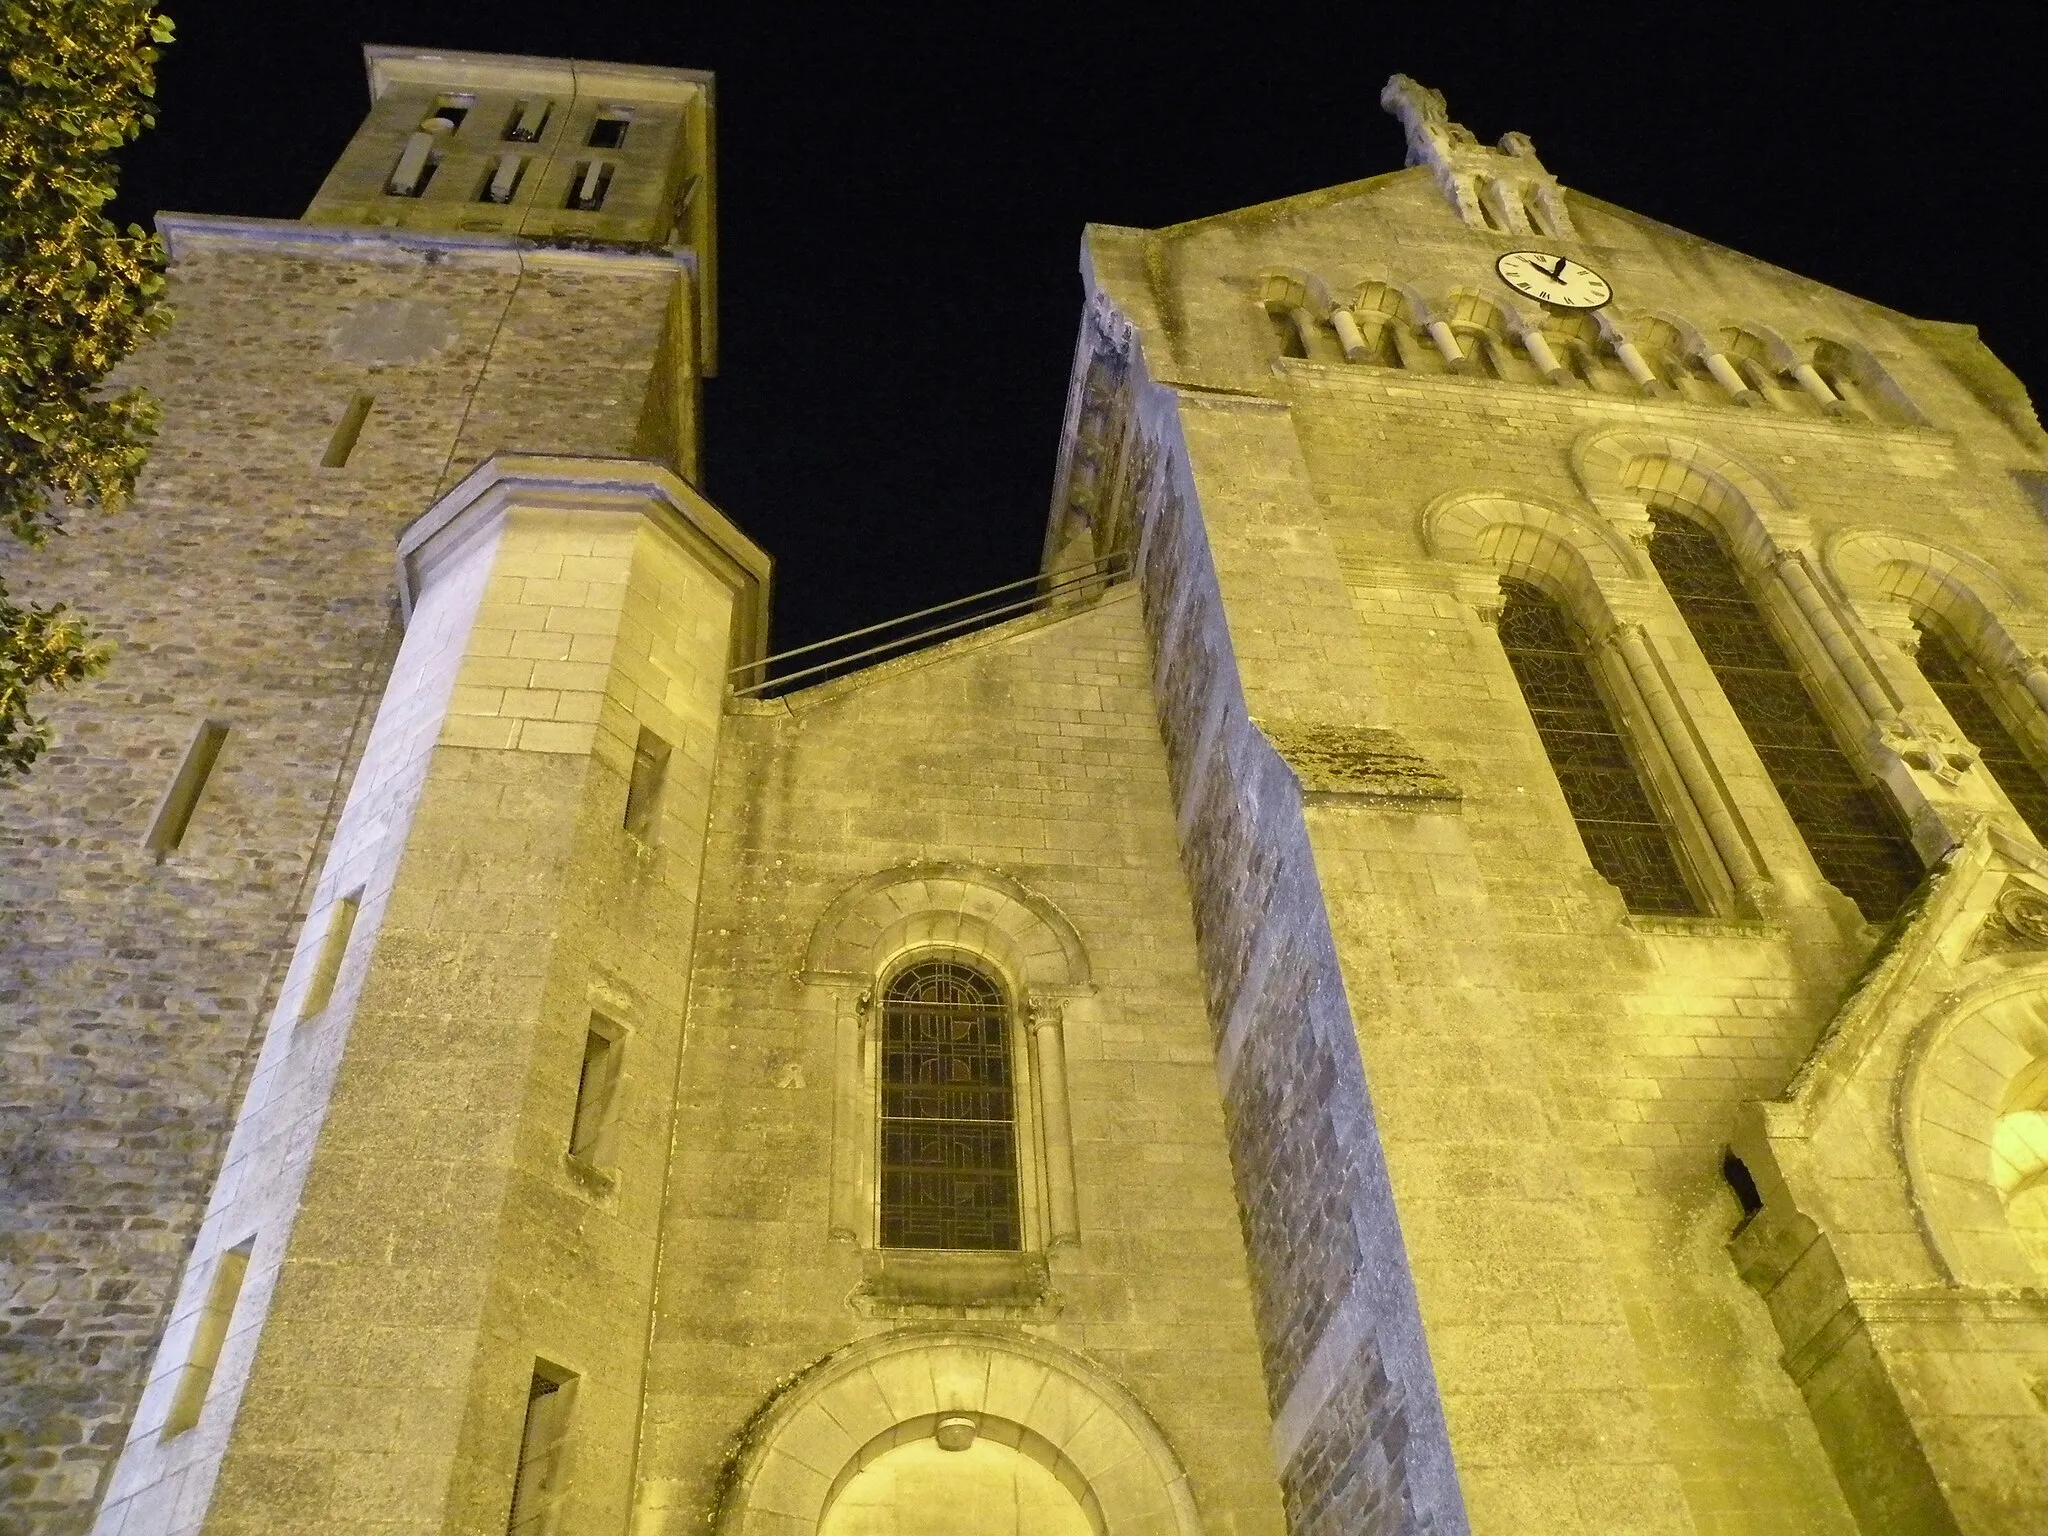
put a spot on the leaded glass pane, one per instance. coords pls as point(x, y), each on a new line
point(1617, 821)
point(1852, 832)
point(949, 1133)
point(1967, 693)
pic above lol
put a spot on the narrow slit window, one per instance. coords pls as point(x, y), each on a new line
point(1743, 1185)
point(593, 181)
point(1626, 839)
point(174, 812)
point(949, 1114)
point(195, 1377)
point(643, 793)
point(609, 131)
point(346, 431)
point(590, 1136)
point(452, 110)
point(543, 1446)
point(1852, 831)
point(501, 184)
point(1962, 686)
point(341, 925)
point(528, 121)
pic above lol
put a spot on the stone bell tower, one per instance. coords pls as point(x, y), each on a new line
point(1602, 678)
point(1472, 960)
point(354, 820)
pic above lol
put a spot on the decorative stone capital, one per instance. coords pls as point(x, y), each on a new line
point(1479, 590)
point(1927, 745)
point(1621, 634)
point(2024, 912)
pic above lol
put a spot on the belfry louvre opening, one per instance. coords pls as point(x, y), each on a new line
point(949, 1113)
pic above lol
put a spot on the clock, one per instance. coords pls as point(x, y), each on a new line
point(1554, 279)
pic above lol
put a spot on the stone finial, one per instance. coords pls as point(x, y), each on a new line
point(1424, 113)
point(1503, 188)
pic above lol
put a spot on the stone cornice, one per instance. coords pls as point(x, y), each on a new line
point(513, 71)
point(189, 233)
point(477, 505)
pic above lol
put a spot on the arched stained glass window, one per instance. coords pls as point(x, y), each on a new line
point(1960, 685)
point(1618, 822)
point(1852, 831)
point(949, 1113)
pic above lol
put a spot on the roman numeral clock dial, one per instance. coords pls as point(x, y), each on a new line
point(1554, 279)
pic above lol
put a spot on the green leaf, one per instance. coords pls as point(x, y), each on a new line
point(76, 296)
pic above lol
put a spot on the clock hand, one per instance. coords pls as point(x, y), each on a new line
point(1558, 275)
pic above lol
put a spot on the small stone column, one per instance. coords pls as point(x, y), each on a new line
point(1639, 370)
point(1345, 324)
point(1049, 1058)
point(1877, 700)
point(1817, 387)
point(1731, 842)
point(1725, 375)
point(1447, 345)
point(1538, 348)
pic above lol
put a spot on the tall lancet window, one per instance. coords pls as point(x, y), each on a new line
point(1851, 830)
point(1956, 679)
point(949, 1111)
point(1625, 838)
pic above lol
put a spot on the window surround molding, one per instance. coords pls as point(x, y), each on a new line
point(1603, 585)
point(949, 910)
point(1892, 581)
point(1862, 692)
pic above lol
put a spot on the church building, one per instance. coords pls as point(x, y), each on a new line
point(1470, 955)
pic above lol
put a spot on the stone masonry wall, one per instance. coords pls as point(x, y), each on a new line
point(1554, 1081)
point(251, 585)
point(1030, 750)
point(1360, 1436)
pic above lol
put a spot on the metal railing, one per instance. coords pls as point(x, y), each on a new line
point(1045, 590)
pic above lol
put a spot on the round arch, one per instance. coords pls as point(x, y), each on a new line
point(1964, 593)
point(1621, 468)
point(1048, 1403)
point(1518, 535)
point(1669, 329)
point(1960, 1101)
point(1380, 295)
point(961, 907)
point(1294, 288)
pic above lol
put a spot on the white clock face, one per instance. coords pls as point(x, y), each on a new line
point(1554, 279)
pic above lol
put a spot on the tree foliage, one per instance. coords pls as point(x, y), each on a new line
point(76, 296)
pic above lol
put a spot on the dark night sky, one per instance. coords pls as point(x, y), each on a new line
point(902, 195)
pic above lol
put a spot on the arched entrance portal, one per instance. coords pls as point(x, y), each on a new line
point(956, 1432)
point(986, 1488)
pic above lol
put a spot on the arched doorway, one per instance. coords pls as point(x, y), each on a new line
point(986, 1488)
point(956, 1431)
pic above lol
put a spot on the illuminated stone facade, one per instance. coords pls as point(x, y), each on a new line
point(1405, 1067)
